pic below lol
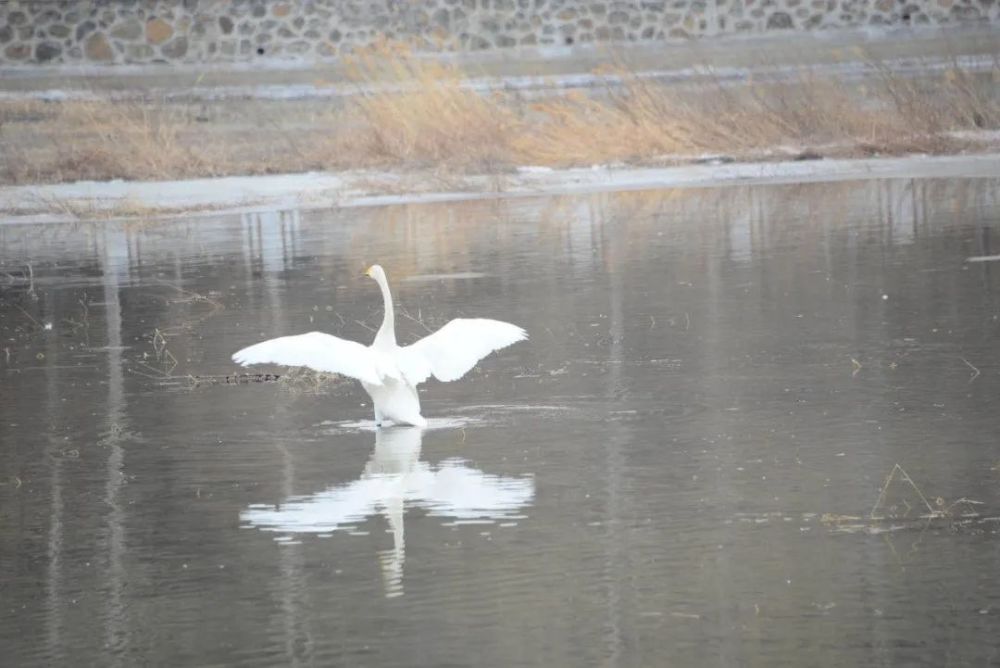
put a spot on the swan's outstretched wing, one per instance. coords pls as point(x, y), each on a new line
point(450, 352)
point(319, 351)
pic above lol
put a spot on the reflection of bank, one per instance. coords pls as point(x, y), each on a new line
point(393, 480)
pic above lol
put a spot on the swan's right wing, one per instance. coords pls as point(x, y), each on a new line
point(449, 353)
point(318, 351)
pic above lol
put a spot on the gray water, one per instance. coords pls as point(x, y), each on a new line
point(685, 465)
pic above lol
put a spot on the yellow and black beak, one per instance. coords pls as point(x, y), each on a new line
point(368, 272)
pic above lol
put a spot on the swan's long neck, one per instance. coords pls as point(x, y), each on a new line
point(387, 332)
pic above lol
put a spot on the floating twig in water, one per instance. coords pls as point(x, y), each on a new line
point(975, 371)
point(858, 366)
point(163, 355)
point(31, 284)
point(28, 316)
point(899, 471)
point(191, 296)
point(419, 321)
point(237, 379)
point(884, 518)
point(12, 480)
point(302, 379)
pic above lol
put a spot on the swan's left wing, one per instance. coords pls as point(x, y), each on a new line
point(450, 352)
point(319, 351)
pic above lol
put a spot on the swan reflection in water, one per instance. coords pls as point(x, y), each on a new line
point(393, 480)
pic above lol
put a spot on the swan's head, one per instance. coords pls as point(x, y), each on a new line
point(375, 271)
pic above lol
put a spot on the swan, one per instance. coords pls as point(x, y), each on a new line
point(389, 372)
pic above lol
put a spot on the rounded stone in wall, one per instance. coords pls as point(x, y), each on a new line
point(47, 51)
point(298, 47)
point(17, 52)
point(779, 21)
point(130, 29)
point(965, 13)
point(158, 31)
point(84, 29)
point(138, 53)
point(97, 48)
point(176, 48)
point(441, 17)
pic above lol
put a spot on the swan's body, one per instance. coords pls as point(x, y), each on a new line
point(389, 372)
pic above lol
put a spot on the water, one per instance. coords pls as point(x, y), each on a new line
point(679, 467)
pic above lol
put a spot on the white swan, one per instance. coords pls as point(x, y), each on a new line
point(390, 373)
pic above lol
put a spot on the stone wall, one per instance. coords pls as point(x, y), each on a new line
point(172, 31)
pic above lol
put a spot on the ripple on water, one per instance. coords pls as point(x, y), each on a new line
point(359, 426)
point(458, 276)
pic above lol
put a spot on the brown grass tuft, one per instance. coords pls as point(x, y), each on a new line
point(128, 141)
point(422, 114)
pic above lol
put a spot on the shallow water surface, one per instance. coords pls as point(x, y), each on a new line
point(692, 461)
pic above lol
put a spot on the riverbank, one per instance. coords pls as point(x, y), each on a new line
point(390, 123)
point(359, 188)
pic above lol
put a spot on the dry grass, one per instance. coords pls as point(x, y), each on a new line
point(425, 116)
point(100, 140)
point(422, 114)
point(44, 142)
point(131, 140)
point(439, 121)
point(646, 122)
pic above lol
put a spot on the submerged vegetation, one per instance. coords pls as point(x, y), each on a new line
point(413, 113)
